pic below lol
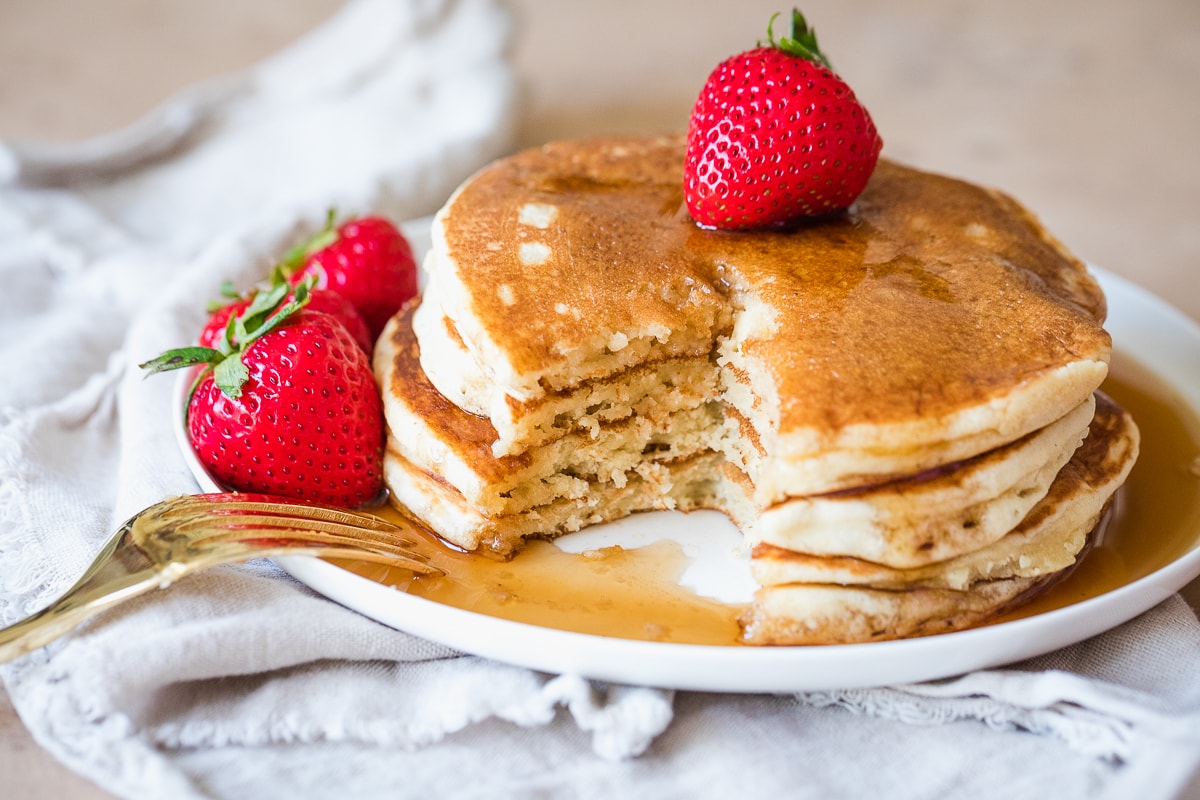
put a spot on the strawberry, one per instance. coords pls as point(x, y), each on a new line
point(366, 260)
point(286, 405)
point(326, 300)
point(775, 136)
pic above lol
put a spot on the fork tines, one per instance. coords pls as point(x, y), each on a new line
point(291, 525)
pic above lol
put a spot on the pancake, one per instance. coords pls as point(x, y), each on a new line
point(932, 516)
point(867, 345)
point(807, 600)
point(1046, 540)
point(975, 503)
point(883, 400)
point(819, 614)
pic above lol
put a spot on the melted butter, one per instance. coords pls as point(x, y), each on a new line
point(633, 594)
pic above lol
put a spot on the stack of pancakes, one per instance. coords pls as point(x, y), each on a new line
point(889, 402)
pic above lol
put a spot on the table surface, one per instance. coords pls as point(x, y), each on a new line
point(1099, 140)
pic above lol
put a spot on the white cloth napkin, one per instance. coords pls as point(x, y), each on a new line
point(242, 682)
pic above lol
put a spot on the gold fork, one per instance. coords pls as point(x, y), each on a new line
point(186, 534)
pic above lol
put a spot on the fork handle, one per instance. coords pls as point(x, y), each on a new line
point(83, 601)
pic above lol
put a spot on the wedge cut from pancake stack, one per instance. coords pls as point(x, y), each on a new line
point(889, 402)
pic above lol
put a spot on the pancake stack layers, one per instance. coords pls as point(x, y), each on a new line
point(889, 402)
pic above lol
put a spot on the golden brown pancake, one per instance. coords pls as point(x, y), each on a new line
point(934, 321)
point(880, 398)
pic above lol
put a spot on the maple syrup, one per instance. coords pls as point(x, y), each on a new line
point(634, 593)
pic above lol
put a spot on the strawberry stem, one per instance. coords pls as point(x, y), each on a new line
point(802, 43)
point(228, 294)
point(262, 305)
point(274, 316)
point(268, 310)
point(294, 259)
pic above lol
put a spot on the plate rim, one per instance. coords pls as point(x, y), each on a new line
point(745, 669)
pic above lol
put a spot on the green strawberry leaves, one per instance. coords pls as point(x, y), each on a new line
point(268, 309)
point(228, 370)
point(180, 358)
point(228, 292)
point(294, 258)
point(230, 374)
point(802, 43)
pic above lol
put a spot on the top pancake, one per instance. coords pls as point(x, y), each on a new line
point(932, 321)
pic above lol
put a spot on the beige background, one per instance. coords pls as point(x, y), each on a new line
point(1086, 111)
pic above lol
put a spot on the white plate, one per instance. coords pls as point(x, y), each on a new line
point(1164, 340)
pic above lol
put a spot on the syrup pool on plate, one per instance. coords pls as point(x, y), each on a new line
point(635, 593)
point(629, 593)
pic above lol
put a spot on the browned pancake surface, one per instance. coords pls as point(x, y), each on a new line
point(470, 436)
point(929, 296)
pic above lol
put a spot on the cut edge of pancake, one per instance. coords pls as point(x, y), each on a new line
point(702, 481)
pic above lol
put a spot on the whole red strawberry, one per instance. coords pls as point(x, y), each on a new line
point(216, 329)
point(774, 136)
point(293, 410)
point(366, 260)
